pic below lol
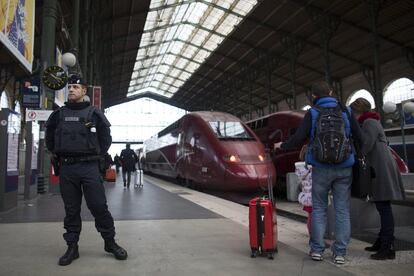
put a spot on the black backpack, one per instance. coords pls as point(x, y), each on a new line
point(330, 143)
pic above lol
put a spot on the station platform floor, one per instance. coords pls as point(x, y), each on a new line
point(168, 230)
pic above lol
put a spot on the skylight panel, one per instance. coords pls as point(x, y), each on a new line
point(244, 6)
point(175, 72)
point(182, 63)
point(201, 56)
point(192, 66)
point(226, 3)
point(182, 34)
point(213, 18)
point(185, 31)
point(197, 11)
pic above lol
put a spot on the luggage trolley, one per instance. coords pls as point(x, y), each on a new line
point(138, 179)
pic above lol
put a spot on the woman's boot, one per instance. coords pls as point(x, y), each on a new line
point(375, 247)
point(386, 252)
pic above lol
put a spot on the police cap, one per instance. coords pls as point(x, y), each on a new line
point(76, 79)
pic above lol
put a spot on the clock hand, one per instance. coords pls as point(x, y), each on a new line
point(55, 77)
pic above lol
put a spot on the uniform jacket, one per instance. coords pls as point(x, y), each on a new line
point(128, 159)
point(98, 118)
point(387, 184)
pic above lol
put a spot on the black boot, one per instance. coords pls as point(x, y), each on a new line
point(375, 247)
point(71, 254)
point(119, 252)
point(386, 252)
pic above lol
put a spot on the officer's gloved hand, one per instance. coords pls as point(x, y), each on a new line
point(102, 168)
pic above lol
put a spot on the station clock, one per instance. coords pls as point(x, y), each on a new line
point(54, 77)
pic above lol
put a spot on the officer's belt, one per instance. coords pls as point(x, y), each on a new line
point(76, 159)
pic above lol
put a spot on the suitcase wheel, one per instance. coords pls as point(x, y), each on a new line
point(253, 254)
point(270, 256)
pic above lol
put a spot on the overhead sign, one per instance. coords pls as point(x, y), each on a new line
point(96, 96)
point(17, 29)
point(37, 115)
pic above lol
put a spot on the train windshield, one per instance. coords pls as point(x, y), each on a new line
point(230, 130)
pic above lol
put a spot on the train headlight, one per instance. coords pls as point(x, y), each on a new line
point(231, 158)
point(261, 157)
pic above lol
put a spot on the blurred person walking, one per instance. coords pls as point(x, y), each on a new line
point(128, 160)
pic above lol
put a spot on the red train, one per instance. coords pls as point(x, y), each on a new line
point(280, 126)
point(212, 151)
point(277, 127)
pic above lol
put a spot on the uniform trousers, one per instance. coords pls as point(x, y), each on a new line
point(84, 178)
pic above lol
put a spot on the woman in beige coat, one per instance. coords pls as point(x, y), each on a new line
point(387, 184)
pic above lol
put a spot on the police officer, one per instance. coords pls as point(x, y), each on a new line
point(78, 135)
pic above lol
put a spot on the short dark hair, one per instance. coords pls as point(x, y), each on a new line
point(321, 88)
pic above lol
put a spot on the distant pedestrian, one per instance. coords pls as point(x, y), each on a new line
point(128, 160)
point(117, 162)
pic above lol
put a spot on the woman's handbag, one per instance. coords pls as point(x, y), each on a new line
point(362, 178)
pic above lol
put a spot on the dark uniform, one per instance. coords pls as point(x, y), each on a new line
point(78, 135)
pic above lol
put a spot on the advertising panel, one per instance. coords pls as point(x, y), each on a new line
point(17, 29)
point(30, 91)
point(96, 96)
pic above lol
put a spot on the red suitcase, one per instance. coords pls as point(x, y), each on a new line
point(263, 225)
point(110, 175)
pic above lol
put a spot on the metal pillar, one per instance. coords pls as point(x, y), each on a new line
point(374, 7)
point(327, 25)
point(293, 47)
point(250, 78)
point(74, 32)
point(85, 37)
point(409, 54)
point(337, 88)
point(91, 50)
point(48, 52)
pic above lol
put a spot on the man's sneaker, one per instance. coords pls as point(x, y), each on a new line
point(339, 260)
point(316, 256)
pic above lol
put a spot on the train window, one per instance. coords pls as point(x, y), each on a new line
point(264, 123)
point(226, 129)
point(276, 135)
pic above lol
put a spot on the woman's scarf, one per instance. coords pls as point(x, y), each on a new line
point(369, 115)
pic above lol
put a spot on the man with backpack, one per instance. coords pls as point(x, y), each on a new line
point(330, 129)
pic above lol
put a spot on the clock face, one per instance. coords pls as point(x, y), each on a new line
point(54, 77)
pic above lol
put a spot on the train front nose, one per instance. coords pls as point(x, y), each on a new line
point(250, 177)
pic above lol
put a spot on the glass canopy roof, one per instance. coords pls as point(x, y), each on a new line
point(179, 35)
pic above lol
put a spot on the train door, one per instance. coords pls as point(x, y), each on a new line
point(198, 154)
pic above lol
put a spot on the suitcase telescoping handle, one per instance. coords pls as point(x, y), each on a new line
point(269, 178)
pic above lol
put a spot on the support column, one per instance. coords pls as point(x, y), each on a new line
point(374, 7)
point(85, 38)
point(293, 47)
point(74, 32)
point(91, 50)
point(328, 26)
point(250, 79)
point(48, 52)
